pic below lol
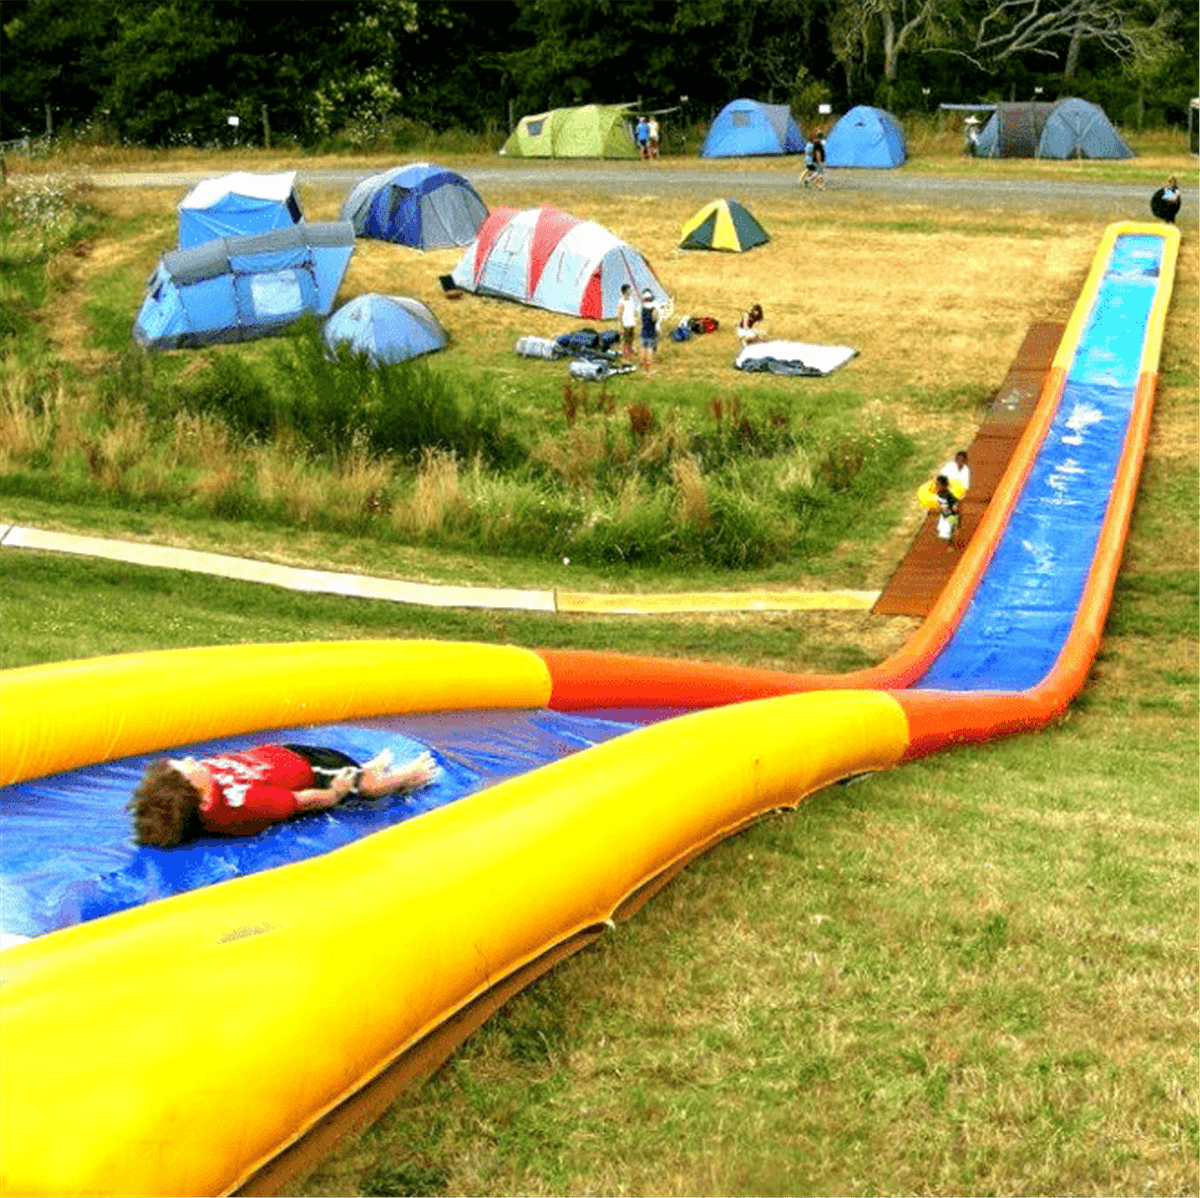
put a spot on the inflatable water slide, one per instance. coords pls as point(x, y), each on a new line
point(194, 1020)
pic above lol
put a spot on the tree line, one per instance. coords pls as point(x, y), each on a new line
point(168, 72)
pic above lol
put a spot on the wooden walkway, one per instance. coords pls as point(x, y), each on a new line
point(924, 571)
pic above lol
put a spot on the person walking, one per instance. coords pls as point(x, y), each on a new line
point(642, 136)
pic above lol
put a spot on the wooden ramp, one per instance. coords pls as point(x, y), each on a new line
point(925, 569)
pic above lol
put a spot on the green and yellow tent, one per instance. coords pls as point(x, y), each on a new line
point(723, 225)
point(593, 131)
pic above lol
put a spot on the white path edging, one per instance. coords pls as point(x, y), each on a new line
point(357, 586)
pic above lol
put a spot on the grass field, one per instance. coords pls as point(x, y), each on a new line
point(973, 975)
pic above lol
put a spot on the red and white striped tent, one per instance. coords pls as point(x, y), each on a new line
point(552, 260)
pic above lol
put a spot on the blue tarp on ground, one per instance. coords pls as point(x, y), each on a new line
point(387, 328)
point(240, 288)
point(866, 137)
point(420, 204)
point(747, 127)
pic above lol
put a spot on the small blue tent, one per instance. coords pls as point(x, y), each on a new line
point(746, 127)
point(387, 328)
point(421, 205)
point(866, 137)
point(240, 288)
point(237, 205)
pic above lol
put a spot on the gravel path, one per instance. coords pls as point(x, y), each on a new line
point(1113, 201)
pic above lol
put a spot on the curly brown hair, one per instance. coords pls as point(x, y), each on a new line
point(164, 806)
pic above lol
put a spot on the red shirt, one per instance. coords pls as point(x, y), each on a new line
point(253, 789)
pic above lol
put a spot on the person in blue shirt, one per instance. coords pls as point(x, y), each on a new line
point(642, 136)
point(650, 323)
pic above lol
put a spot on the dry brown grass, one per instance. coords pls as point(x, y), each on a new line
point(437, 497)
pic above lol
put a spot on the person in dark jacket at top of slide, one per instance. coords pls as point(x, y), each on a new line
point(241, 793)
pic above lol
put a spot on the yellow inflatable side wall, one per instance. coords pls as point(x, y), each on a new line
point(176, 1047)
point(139, 702)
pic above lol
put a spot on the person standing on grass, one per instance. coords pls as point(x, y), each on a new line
point(650, 323)
point(627, 316)
point(242, 793)
point(948, 514)
point(652, 137)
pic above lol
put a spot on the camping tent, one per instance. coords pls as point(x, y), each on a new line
point(237, 205)
point(1070, 128)
point(866, 137)
point(723, 225)
point(420, 204)
point(552, 260)
point(387, 328)
point(1077, 129)
point(593, 131)
point(239, 288)
point(745, 127)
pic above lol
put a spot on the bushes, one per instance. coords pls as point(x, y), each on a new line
point(282, 432)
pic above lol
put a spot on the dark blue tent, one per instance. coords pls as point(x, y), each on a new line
point(422, 205)
point(746, 127)
point(866, 137)
point(240, 288)
point(387, 328)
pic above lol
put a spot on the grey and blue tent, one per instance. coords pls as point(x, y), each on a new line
point(240, 288)
point(386, 328)
point(238, 205)
point(1070, 128)
point(866, 137)
point(420, 204)
point(1078, 129)
point(747, 127)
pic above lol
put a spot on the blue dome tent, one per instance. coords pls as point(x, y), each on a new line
point(866, 137)
point(746, 127)
point(238, 205)
point(240, 288)
point(420, 204)
point(387, 328)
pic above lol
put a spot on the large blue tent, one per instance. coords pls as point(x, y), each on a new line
point(747, 127)
point(867, 137)
point(422, 205)
point(1069, 128)
point(386, 328)
point(240, 288)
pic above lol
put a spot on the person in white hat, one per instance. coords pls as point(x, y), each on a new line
point(972, 134)
point(650, 322)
